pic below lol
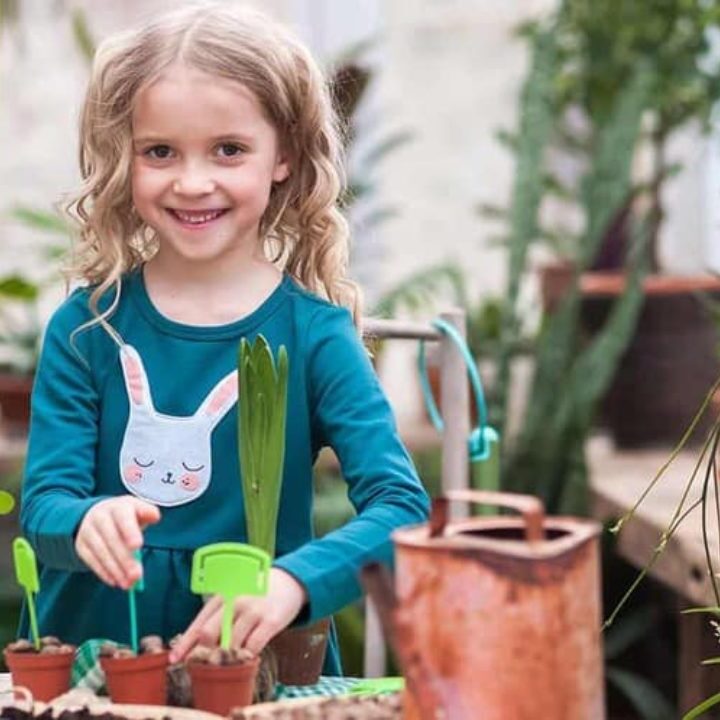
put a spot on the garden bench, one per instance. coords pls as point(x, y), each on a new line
point(618, 479)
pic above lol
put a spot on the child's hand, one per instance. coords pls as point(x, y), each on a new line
point(257, 619)
point(109, 533)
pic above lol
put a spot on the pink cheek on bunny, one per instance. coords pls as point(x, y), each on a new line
point(133, 473)
point(190, 482)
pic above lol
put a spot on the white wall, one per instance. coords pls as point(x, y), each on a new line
point(450, 73)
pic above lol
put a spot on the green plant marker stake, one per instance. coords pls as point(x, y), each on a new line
point(138, 586)
point(7, 503)
point(229, 570)
point(485, 468)
point(27, 577)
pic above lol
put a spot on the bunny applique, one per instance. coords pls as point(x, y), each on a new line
point(164, 459)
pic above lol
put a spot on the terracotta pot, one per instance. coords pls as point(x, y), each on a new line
point(138, 680)
point(15, 400)
point(555, 280)
point(668, 366)
point(220, 688)
point(45, 676)
point(300, 653)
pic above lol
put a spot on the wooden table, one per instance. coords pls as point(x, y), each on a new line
point(618, 479)
point(6, 696)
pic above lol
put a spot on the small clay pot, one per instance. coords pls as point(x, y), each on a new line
point(220, 688)
point(300, 653)
point(45, 676)
point(140, 680)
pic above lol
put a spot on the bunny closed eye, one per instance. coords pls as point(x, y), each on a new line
point(154, 461)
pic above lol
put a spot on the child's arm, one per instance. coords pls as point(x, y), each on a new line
point(59, 484)
point(353, 416)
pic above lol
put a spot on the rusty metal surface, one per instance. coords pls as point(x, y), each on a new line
point(505, 629)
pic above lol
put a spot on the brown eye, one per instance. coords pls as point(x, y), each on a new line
point(229, 150)
point(159, 152)
point(143, 464)
point(193, 469)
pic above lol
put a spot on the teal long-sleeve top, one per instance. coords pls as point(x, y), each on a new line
point(82, 421)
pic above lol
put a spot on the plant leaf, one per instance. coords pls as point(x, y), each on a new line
point(40, 219)
point(647, 700)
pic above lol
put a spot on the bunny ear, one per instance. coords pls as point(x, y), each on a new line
point(221, 398)
point(135, 377)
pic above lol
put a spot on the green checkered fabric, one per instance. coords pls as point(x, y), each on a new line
point(87, 673)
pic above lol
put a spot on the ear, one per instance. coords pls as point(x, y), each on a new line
point(135, 376)
point(281, 171)
point(221, 398)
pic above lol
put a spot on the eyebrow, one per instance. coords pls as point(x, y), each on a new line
point(163, 139)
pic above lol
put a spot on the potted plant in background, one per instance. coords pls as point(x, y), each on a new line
point(670, 360)
point(20, 321)
point(20, 329)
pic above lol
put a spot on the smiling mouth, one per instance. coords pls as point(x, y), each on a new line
point(196, 218)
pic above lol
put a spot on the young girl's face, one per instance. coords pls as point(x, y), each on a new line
point(204, 160)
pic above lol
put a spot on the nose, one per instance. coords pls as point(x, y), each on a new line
point(193, 180)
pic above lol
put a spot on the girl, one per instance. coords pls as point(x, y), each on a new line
point(209, 154)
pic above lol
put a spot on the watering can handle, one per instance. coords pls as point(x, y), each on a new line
point(529, 506)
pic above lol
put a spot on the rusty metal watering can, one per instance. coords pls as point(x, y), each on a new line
point(495, 618)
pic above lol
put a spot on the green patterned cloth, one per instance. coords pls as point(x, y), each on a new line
point(87, 673)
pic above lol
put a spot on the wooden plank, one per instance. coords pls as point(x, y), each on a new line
point(455, 411)
point(618, 479)
point(399, 329)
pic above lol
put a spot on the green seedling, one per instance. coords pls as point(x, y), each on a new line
point(229, 570)
point(262, 416)
point(138, 586)
point(27, 577)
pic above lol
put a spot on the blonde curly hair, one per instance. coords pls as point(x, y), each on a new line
point(303, 230)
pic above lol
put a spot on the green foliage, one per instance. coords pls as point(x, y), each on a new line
point(548, 456)
point(533, 134)
point(42, 220)
point(601, 45)
point(20, 322)
point(83, 37)
point(700, 709)
point(646, 699)
point(418, 290)
point(263, 410)
point(599, 48)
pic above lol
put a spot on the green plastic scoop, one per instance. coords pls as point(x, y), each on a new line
point(229, 570)
point(378, 686)
point(27, 577)
point(138, 586)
